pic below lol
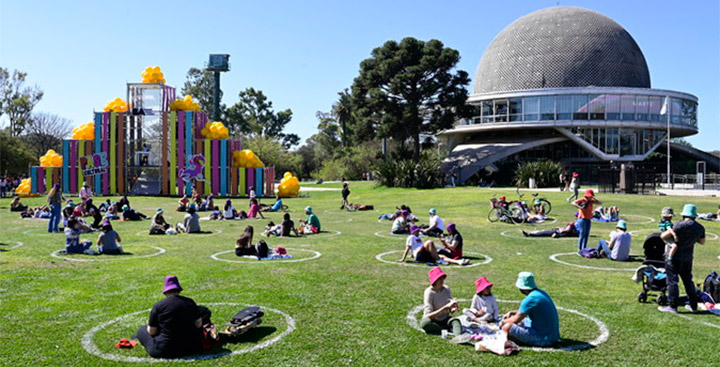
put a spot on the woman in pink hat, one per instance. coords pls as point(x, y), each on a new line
point(174, 328)
point(438, 305)
point(484, 306)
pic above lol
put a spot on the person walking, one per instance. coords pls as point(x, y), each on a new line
point(585, 215)
point(55, 200)
point(574, 186)
point(679, 261)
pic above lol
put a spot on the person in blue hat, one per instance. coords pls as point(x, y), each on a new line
point(436, 226)
point(678, 261)
point(536, 323)
point(619, 247)
point(311, 224)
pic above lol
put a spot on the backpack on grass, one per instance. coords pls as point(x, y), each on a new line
point(711, 286)
point(589, 253)
point(211, 338)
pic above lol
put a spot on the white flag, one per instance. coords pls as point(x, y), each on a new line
point(664, 108)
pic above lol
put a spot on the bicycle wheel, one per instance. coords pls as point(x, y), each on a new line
point(494, 215)
point(516, 215)
point(547, 207)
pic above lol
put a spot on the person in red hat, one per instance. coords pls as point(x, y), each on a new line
point(484, 307)
point(174, 328)
point(574, 186)
point(585, 215)
point(438, 306)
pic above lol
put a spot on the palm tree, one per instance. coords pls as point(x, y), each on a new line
point(342, 109)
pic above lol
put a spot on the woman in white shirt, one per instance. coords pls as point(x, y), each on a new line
point(436, 225)
point(229, 211)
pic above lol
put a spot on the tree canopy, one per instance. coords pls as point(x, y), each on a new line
point(409, 88)
point(200, 85)
point(253, 115)
point(17, 100)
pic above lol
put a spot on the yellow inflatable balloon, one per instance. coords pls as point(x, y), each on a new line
point(153, 75)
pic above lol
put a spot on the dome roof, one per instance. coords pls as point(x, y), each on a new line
point(561, 47)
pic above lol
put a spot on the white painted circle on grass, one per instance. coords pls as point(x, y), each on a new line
point(553, 221)
point(90, 347)
point(33, 232)
point(686, 317)
point(322, 234)
point(330, 211)
point(645, 219)
point(160, 250)
point(507, 234)
point(250, 261)
point(17, 244)
point(147, 233)
point(487, 260)
point(411, 319)
point(339, 221)
point(390, 235)
point(553, 257)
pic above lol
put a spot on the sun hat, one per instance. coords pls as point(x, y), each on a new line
point(56, 186)
point(450, 227)
point(106, 224)
point(404, 212)
point(538, 202)
point(125, 207)
point(192, 206)
point(689, 210)
point(502, 197)
point(71, 204)
point(432, 211)
point(159, 210)
point(589, 193)
point(575, 174)
point(571, 224)
point(172, 283)
point(622, 225)
point(481, 284)
point(85, 184)
point(525, 281)
point(667, 212)
point(435, 274)
point(308, 209)
point(414, 229)
point(523, 202)
point(228, 201)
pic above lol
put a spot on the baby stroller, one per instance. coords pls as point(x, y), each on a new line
point(652, 272)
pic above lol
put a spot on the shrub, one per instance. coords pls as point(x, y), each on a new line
point(423, 174)
point(545, 173)
point(358, 160)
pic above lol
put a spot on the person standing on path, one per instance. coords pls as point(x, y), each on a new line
point(574, 186)
point(55, 200)
point(585, 215)
point(678, 262)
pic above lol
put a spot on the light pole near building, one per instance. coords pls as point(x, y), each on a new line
point(217, 63)
point(666, 110)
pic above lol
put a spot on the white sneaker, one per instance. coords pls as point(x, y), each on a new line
point(465, 262)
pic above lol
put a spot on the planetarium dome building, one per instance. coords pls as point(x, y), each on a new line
point(568, 84)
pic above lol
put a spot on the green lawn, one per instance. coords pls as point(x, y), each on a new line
point(348, 307)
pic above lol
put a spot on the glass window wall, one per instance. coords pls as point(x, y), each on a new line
point(597, 107)
point(612, 106)
point(564, 107)
point(532, 108)
point(516, 109)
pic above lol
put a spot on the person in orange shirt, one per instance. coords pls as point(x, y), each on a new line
point(585, 214)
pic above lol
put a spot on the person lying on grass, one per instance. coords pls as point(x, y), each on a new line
point(484, 307)
point(129, 214)
point(109, 241)
point(311, 224)
point(277, 206)
point(174, 327)
point(567, 231)
point(619, 247)
point(158, 224)
point(191, 222)
point(73, 244)
point(426, 252)
point(536, 323)
point(438, 306)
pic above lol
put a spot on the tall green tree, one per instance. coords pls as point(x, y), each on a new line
point(343, 111)
point(407, 89)
point(14, 154)
point(17, 100)
point(254, 116)
point(200, 85)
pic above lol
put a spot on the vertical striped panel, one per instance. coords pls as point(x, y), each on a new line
point(188, 147)
point(40, 185)
point(164, 154)
point(33, 180)
point(215, 167)
point(223, 167)
point(259, 182)
point(73, 163)
point(208, 163)
point(48, 178)
point(233, 181)
point(100, 118)
point(181, 148)
point(268, 179)
point(121, 154)
point(173, 154)
point(199, 185)
point(107, 120)
point(112, 150)
point(81, 152)
point(242, 181)
point(251, 179)
point(65, 169)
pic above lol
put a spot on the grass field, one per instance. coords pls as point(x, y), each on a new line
point(348, 308)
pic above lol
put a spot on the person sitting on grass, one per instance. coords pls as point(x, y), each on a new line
point(272, 229)
point(129, 214)
point(436, 225)
point(536, 323)
point(207, 205)
point(400, 224)
point(229, 211)
point(215, 214)
point(73, 244)
point(277, 206)
point(158, 224)
point(254, 210)
point(426, 252)
point(174, 328)
point(93, 211)
point(538, 208)
point(619, 247)
point(191, 222)
point(244, 245)
point(666, 222)
point(112, 212)
point(17, 206)
point(453, 245)
point(345, 193)
point(67, 212)
point(484, 307)
point(103, 207)
point(288, 227)
point(182, 204)
point(85, 191)
point(438, 306)
point(123, 201)
point(109, 241)
point(567, 231)
point(311, 225)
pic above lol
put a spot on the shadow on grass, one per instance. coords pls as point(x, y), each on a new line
point(572, 344)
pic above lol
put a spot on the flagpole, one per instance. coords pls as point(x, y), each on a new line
point(667, 110)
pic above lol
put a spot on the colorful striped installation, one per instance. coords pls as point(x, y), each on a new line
point(113, 152)
point(188, 145)
point(121, 159)
point(48, 178)
point(259, 181)
point(40, 180)
point(251, 179)
point(181, 148)
point(81, 152)
point(208, 163)
point(173, 154)
point(33, 179)
point(164, 155)
point(73, 164)
point(100, 120)
point(242, 172)
point(215, 167)
point(223, 167)
point(105, 148)
point(65, 169)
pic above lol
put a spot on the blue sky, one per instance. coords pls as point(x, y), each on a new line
point(301, 53)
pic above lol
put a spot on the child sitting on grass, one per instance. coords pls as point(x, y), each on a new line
point(216, 214)
point(484, 307)
point(109, 240)
point(73, 244)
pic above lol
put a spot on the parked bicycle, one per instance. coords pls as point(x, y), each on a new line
point(513, 212)
point(546, 205)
